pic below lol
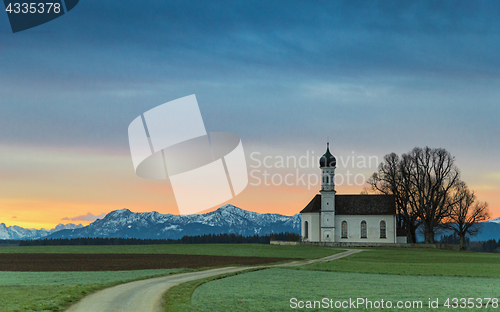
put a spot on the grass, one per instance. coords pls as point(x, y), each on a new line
point(272, 290)
point(421, 261)
point(54, 291)
point(178, 298)
point(243, 250)
point(77, 278)
point(378, 273)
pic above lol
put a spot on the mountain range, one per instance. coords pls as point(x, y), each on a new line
point(126, 224)
point(16, 232)
point(227, 219)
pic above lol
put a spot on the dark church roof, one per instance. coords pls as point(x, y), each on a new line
point(357, 205)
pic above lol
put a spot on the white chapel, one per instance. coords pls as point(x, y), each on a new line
point(347, 218)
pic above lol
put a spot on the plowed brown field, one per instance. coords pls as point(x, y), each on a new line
point(39, 262)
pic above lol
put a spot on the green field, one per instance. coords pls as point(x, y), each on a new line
point(272, 289)
point(77, 278)
point(421, 261)
point(243, 250)
point(53, 291)
point(376, 273)
point(389, 273)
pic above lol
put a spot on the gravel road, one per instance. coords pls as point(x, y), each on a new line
point(146, 295)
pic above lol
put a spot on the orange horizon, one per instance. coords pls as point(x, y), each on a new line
point(48, 214)
point(46, 187)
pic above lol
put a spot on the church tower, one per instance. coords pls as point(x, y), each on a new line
point(327, 164)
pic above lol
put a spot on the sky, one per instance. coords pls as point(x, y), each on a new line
point(370, 77)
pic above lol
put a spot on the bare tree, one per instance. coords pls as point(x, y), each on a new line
point(433, 178)
point(422, 181)
point(466, 213)
point(392, 179)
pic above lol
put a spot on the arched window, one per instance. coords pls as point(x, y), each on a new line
point(344, 229)
point(382, 229)
point(306, 229)
point(327, 179)
point(363, 229)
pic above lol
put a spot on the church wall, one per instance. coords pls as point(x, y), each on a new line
point(327, 234)
point(313, 218)
point(373, 228)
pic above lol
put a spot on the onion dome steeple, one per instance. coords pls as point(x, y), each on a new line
point(327, 160)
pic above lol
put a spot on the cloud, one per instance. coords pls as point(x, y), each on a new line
point(88, 217)
point(14, 217)
point(494, 176)
point(252, 51)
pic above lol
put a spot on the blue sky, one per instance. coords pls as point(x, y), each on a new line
point(373, 76)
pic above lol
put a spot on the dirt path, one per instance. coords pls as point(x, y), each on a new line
point(146, 295)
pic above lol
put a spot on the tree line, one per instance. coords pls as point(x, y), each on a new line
point(198, 239)
point(8, 242)
point(490, 245)
point(485, 246)
point(453, 239)
point(429, 194)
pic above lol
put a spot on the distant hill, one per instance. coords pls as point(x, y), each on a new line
point(226, 219)
point(489, 230)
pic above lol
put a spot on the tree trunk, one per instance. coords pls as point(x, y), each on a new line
point(429, 236)
point(462, 241)
point(412, 235)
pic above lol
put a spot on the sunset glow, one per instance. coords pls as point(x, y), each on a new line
point(371, 80)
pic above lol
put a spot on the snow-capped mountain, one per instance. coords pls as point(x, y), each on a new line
point(226, 219)
point(16, 232)
point(489, 230)
point(496, 220)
